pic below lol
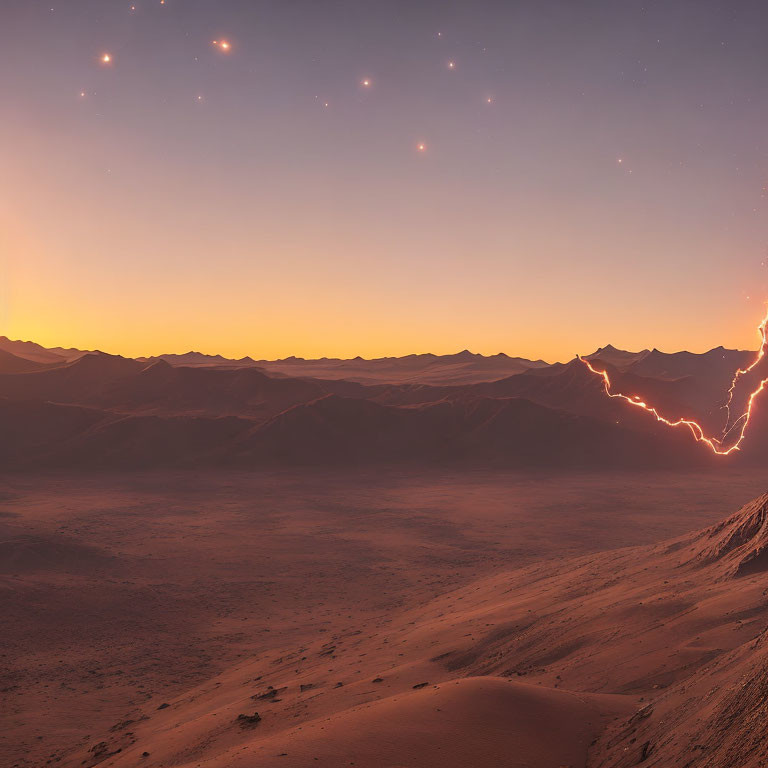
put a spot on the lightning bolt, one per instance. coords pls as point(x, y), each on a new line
point(717, 445)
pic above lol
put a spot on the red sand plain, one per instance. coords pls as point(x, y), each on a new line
point(383, 619)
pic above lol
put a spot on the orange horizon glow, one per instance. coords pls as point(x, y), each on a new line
point(232, 334)
point(227, 182)
point(714, 443)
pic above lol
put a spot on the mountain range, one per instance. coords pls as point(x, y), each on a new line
point(75, 408)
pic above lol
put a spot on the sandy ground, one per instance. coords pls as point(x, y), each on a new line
point(124, 593)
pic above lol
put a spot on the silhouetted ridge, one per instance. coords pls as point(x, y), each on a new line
point(741, 541)
point(10, 363)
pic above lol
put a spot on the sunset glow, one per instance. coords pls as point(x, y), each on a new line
point(419, 181)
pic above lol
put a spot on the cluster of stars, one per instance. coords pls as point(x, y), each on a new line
point(106, 59)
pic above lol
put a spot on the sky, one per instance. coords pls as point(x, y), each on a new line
point(334, 178)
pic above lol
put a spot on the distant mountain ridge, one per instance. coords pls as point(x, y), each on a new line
point(96, 409)
point(29, 350)
point(462, 367)
point(459, 368)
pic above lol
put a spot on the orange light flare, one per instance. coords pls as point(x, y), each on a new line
point(222, 45)
point(714, 443)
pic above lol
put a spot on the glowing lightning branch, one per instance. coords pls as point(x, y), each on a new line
point(761, 353)
point(716, 444)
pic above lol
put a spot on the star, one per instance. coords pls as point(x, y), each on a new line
point(366, 82)
point(451, 65)
point(421, 147)
point(106, 58)
point(223, 45)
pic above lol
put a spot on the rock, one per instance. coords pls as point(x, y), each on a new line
point(646, 751)
point(271, 693)
point(246, 720)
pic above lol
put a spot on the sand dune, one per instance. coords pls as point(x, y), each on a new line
point(482, 721)
point(653, 653)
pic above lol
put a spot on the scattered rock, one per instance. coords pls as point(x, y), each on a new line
point(269, 695)
point(246, 720)
point(642, 714)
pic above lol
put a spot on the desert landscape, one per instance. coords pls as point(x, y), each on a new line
point(148, 613)
point(217, 564)
point(383, 384)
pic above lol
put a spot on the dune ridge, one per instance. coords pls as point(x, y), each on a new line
point(654, 654)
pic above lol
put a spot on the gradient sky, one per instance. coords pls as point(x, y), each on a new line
point(185, 197)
